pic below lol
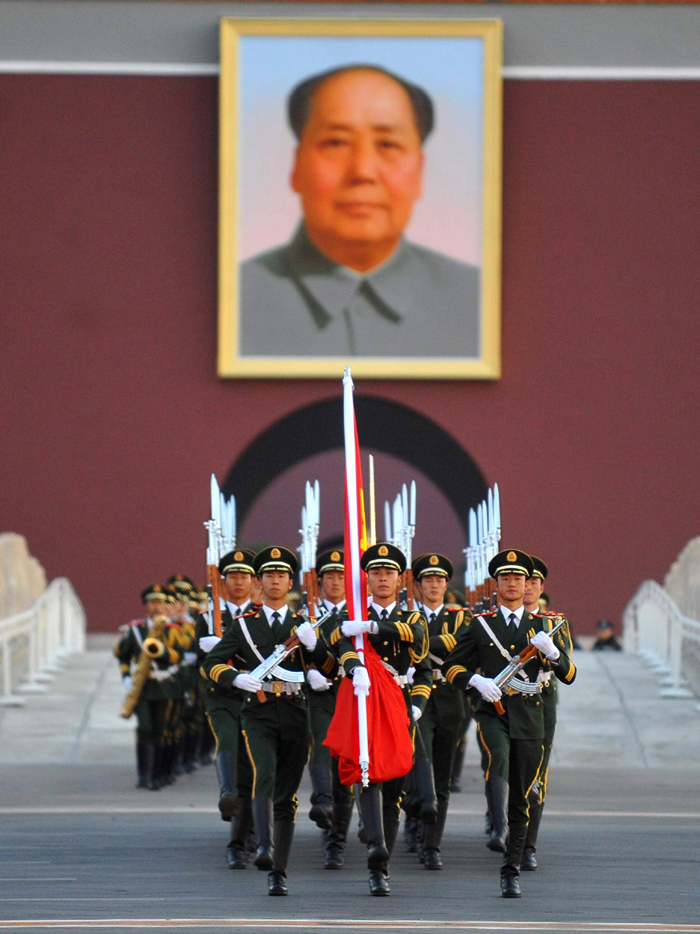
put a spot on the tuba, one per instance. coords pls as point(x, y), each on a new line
point(153, 647)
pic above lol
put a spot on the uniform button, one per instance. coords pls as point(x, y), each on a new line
point(512, 646)
point(386, 643)
point(491, 644)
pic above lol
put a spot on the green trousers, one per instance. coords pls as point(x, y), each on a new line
point(276, 735)
point(224, 715)
point(150, 714)
point(321, 710)
point(515, 760)
point(549, 703)
point(442, 727)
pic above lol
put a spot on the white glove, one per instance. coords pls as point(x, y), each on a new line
point(417, 713)
point(128, 683)
point(487, 687)
point(354, 628)
point(207, 643)
point(544, 644)
point(317, 681)
point(190, 658)
point(307, 636)
point(360, 681)
point(247, 682)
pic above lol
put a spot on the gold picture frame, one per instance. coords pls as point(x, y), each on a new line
point(232, 362)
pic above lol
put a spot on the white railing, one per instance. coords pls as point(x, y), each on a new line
point(669, 642)
point(33, 643)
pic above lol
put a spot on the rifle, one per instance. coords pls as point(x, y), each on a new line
point(153, 647)
point(506, 678)
point(271, 665)
point(222, 538)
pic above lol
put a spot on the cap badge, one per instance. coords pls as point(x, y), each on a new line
point(275, 553)
point(434, 560)
point(511, 556)
point(238, 556)
point(383, 551)
point(335, 556)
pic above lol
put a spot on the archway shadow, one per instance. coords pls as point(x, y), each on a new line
point(381, 424)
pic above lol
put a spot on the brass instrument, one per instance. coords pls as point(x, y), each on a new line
point(153, 647)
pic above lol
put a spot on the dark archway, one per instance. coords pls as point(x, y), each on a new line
point(381, 424)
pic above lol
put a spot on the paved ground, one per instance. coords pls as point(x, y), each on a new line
point(81, 849)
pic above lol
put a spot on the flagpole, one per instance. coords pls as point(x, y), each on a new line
point(352, 556)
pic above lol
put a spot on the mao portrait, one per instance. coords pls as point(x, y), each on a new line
point(341, 266)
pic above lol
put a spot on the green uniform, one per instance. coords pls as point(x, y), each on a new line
point(513, 742)
point(401, 641)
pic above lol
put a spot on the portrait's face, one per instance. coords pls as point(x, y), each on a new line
point(359, 166)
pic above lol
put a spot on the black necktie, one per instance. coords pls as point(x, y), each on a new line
point(433, 617)
point(514, 620)
point(385, 615)
point(276, 626)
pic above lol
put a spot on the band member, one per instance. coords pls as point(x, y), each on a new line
point(153, 701)
point(401, 640)
point(331, 801)
point(534, 588)
point(223, 709)
point(442, 723)
point(274, 715)
point(513, 739)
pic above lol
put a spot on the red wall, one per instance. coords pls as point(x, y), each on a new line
point(113, 417)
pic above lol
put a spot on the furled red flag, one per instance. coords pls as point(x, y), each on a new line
point(368, 736)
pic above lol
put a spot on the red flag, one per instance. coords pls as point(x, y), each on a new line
point(389, 741)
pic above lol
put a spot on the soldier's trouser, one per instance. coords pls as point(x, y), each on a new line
point(224, 716)
point(321, 710)
point(539, 789)
point(517, 761)
point(441, 735)
point(150, 715)
point(277, 739)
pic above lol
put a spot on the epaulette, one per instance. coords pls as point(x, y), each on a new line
point(488, 613)
point(414, 617)
point(454, 608)
point(249, 613)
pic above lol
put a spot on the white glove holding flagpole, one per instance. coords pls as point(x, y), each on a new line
point(360, 681)
point(317, 681)
point(487, 687)
point(543, 643)
point(355, 627)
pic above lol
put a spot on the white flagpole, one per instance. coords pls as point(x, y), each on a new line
point(353, 510)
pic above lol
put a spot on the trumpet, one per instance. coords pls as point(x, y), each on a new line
point(153, 647)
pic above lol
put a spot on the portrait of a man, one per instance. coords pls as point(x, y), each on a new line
point(360, 198)
point(349, 283)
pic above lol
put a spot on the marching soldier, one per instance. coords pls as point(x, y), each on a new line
point(401, 640)
point(152, 702)
point(187, 726)
point(534, 589)
point(274, 717)
point(442, 723)
point(223, 708)
point(331, 801)
point(514, 739)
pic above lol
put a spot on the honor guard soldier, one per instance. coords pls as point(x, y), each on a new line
point(223, 708)
point(442, 723)
point(533, 593)
point(331, 801)
point(152, 700)
point(514, 738)
point(401, 640)
point(187, 727)
point(274, 717)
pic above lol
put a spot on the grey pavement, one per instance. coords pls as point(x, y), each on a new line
point(611, 717)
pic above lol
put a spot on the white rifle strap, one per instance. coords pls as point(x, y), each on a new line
point(248, 639)
point(492, 635)
point(435, 659)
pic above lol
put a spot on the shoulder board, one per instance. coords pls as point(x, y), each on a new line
point(135, 622)
point(453, 608)
point(246, 615)
point(487, 613)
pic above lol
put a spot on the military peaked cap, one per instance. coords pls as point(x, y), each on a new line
point(383, 555)
point(181, 582)
point(275, 558)
point(154, 592)
point(331, 560)
point(540, 569)
point(432, 565)
point(240, 559)
point(511, 561)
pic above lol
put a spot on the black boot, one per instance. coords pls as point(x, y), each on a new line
point(488, 821)
point(426, 789)
point(262, 817)
point(529, 862)
point(497, 794)
point(151, 764)
point(433, 838)
point(338, 837)
point(371, 811)
point(277, 879)
point(321, 812)
point(141, 764)
point(510, 870)
point(236, 853)
point(226, 772)
point(391, 831)
point(378, 884)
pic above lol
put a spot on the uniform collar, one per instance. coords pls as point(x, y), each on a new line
point(334, 606)
point(269, 611)
point(428, 612)
point(380, 609)
point(506, 613)
point(240, 608)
